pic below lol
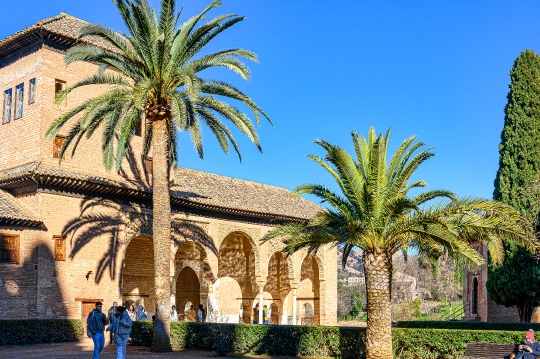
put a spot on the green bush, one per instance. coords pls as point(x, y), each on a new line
point(321, 341)
point(37, 331)
point(468, 325)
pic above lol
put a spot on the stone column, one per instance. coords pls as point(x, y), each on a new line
point(294, 306)
point(261, 285)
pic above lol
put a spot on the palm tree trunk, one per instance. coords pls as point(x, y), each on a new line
point(378, 272)
point(162, 235)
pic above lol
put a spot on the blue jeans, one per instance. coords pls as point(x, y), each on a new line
point(121, 342)
point(99, 343)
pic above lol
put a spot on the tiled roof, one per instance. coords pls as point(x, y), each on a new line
point(191, 188)
point(14, 212)
point(236, 194)
point(65, 25)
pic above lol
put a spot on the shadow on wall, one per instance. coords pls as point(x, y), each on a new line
point(103, 218)
point(97, 218)
point(32, 290)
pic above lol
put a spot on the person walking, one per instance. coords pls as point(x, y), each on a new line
point(121, 327)
point(110, 314)
point(266, 315)
point(201, 314)
point(96, 325)
point(190, 314)
point(174, 314)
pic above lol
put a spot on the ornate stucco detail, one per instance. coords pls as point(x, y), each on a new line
point(137, 224)
point(254, 233)
point(185, 230)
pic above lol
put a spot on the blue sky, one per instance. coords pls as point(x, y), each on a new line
point(435, 69)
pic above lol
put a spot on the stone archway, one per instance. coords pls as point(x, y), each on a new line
point(138, 274)
point(309, 291)
point(188, 289)
point(236, 260)
point(278, 285)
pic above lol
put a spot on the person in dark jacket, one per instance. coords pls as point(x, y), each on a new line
point(529, 348)
point(96, 325)
point(110, 315)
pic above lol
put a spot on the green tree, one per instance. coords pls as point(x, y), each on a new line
point(357, 303)
point(374, 211)
point(519, 165)
point(155, 77)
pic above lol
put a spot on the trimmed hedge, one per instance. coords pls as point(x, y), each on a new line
point(319, 341)
point(469, 325)
point(37, 331)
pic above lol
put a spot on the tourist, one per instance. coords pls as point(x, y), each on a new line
point(110, 315)
point(132, 313)
point(201, 314)
point(121, 327)
point(256, 314)
point(265, 315)
point(140, 315)
point(190, 314)
point(96, 325)
point(528, 349)
point(174, 314)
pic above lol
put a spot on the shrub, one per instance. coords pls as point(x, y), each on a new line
point(321, 341)
point(468, 325)
point(37, 331)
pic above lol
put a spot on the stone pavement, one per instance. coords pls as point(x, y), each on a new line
point(84, 350)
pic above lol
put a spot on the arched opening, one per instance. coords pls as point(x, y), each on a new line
point(192, 271)
point(309, 292)
point(474, 296)
point(138, 274)
point(188, 290)
point(277, 284)
point(236, 260)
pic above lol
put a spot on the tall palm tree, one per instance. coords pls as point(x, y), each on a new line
point(153, 74)
point(374, 211)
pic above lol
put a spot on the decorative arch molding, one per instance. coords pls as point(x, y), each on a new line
point(201, 265)
point(303, 253)
point(137, 224)
point(275, 246)
point(254, 235)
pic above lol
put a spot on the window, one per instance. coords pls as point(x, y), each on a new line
point(32, 91)
point(474, 297)
point(19, 101)
point(148, 166)
point(59, 248)
point(9, 249)
point(7, 106)
point(58, 143)
point(137, 131)
point(59, 85)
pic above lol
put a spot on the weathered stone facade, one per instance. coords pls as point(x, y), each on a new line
point(84, 234)
point(476, 301)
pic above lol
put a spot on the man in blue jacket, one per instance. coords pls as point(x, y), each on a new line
point(528, 349)
point(95, 326)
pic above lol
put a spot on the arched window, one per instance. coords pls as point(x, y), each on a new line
point(474, 296)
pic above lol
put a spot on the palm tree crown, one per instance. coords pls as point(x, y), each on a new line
point(156, 75)
point(374, 211)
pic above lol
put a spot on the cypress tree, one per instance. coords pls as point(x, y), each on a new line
point(517, 281)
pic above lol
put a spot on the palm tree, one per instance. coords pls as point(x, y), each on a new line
point(153, 75)
point(374, 211)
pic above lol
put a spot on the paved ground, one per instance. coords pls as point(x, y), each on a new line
point(84, 350)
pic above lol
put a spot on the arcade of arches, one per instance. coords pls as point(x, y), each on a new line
point(238, 281)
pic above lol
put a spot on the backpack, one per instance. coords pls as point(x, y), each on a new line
point(88, 332)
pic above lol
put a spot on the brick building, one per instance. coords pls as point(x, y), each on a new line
point(477, 304)
point(73, 234)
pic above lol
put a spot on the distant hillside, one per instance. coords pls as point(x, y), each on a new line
point(354, 266)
